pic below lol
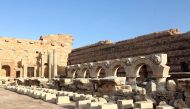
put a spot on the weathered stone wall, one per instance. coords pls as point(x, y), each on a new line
point(19, 54)
point(171, 42)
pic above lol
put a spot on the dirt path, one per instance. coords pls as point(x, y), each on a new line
point(12, 100)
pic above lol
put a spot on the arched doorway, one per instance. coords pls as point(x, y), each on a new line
point(74, 73)
point(101, 73)
point(7, 70)
point(119, 71)
point(145, 73)
point(86, 73)
point(146, 79)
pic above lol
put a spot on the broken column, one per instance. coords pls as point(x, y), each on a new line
point(54, 62)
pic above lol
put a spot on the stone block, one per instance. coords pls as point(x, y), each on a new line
point(125, 104)
point(25, 91)
point(62, 100)
point(50, 97)
point(100, 99)
point(143, 105)
point(88, 97)
point(37, 94)
point(108, 106)
point(165, 107)
point(171, 85)
point(60, 93)
point(30, 93)
point(94, 105)
point(82, 97)
point(82, 104)
point(77, 97)
point(43, 95)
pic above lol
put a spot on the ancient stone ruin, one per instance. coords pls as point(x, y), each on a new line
point(148, 72)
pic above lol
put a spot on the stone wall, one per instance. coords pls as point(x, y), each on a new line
point(17, 56)
point(172, 42)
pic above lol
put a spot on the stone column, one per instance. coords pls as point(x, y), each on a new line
point(131, 81)
point(25, 71)
point(35, 68)
point(42, 65)
point(161, 84)
point(49, 64)
point(54, 62)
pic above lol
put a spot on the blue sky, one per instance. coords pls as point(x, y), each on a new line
point(90, 21)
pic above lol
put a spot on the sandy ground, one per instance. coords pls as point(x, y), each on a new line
point(12, 100)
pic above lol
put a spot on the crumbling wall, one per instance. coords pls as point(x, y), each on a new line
point(171, 42)
point(21, 52)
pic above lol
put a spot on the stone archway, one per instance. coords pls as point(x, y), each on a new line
point(7, 69)
point(74, 73)
point(145, 78)
point(118, 68)
point(86, 73)
point(157, 64)
point(119, 71)
point(100, 71)
point(85, 70)
point(145, 73)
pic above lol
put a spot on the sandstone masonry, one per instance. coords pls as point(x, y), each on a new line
point(29, 58)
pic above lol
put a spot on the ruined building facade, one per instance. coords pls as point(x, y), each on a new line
point(53, 55)
point(171, 42)
point(45, 57)
point(151, 71)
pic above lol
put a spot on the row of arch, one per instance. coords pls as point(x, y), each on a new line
point(152, 65)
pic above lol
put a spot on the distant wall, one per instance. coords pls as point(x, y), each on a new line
point(171, 42)
point(18, 53)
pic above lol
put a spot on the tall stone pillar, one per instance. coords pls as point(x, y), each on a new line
point(42, 64)
point(35, 68)
point(54, 62)
point(49, 64)
point(24, 68)
point(25, 71)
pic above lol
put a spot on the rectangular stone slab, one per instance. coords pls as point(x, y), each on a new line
point(62, 100)
point(107, 106)
point(125, 104)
